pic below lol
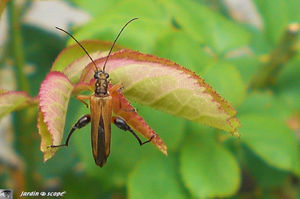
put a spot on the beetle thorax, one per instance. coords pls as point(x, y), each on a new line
point(101, 83)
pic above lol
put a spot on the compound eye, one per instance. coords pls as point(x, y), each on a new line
point(107, 75)
point(96, 76)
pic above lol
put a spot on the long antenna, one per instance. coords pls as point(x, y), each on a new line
point(115, 41)
point(79, 45)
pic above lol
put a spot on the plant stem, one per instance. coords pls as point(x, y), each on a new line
point(283, 52)
point(24, 120)
point(17, 46)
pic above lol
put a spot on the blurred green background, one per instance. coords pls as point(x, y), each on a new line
point(248, 51)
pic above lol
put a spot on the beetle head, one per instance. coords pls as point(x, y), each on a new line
point(101, 75)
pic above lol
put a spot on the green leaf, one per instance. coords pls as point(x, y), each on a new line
point(264, 104)
point(53, 97)
point(246, 65)
point(208, 169)
point(166, 86)
point(288, 83)
point(95, 8)
point(14, 100)
point(76, 190)
point(141, 35)
point(227, 81)
point(260, 43)
point(145, 10)
point(46, 139)
point(267, 133)
point(170, 128)
point(182, 49)
point(207, 26)
point(155, 177)
point(271, 139)
point(265, 175)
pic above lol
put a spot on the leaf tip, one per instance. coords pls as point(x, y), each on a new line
point(163, 148)
point(165, 151)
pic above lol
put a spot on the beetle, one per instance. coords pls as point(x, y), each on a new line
point(101, 110)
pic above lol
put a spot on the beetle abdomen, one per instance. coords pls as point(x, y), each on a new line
point(101, 112)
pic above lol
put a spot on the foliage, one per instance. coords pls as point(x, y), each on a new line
point(255, 70)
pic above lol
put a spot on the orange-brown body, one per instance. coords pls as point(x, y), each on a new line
point(101, 107)
point(101, 113)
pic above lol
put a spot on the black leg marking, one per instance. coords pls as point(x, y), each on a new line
point(126, 110)
point(86, 104)
point(84, 120)
point(120, 123)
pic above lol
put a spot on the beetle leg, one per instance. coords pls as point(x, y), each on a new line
point(121, 123)
point(84, 120)
point(81, 98)
point(116, 87)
